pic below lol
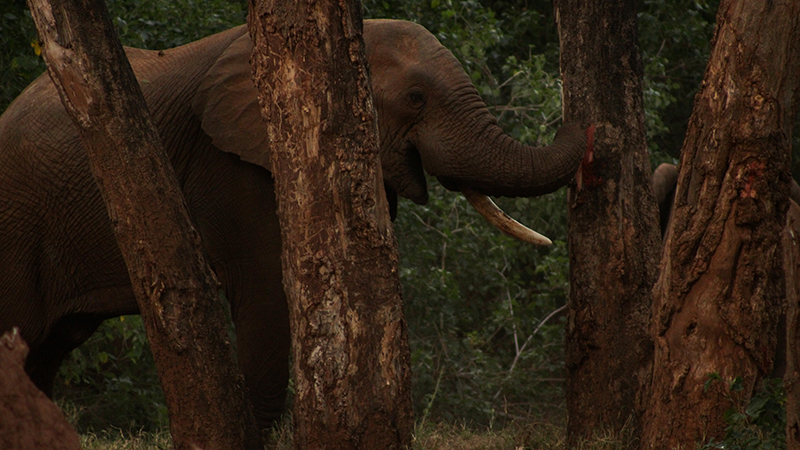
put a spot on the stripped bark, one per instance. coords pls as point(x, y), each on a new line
point(350, 351)
point(174, 286)
point(721, 288)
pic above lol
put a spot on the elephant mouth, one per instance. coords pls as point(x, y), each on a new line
point(404, 174)
point(413, 186)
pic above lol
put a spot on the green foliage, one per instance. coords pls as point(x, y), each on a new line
point(476, 303)
point(675, 41)
point(158, 25)
point(110, 381)
point(759, 424)
point(19, 63)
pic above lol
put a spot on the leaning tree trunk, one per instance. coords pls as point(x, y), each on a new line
point(613, 226)
point(174, 286)
point(350, 350)
point(721, 288)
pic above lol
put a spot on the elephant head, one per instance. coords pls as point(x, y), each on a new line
point(430, 116)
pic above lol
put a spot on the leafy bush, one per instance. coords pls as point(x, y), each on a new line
point(157, 25)
point(759, 424)
point(483, 312)
point(19, 62)
point(110, 381)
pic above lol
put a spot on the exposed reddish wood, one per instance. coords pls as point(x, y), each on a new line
point(613, 229)
point(174, 287)
point(720, 291)
point(351, 357)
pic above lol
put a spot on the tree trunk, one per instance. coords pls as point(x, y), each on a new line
point(613, 219)
point(791, 378)
point(721, 288)
point(350, 350)
point(174, 287)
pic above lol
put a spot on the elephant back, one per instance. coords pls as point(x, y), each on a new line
point(227, 105)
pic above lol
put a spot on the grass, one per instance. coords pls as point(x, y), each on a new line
point(516, 435)
point(527, 436)
point(109, 440)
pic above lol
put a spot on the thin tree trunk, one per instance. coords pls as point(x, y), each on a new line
point(613, 220)
point(174, 287)
point(350, 351)
point(721, 288)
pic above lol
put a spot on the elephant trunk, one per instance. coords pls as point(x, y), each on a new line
point(486, 161)
point(505, 167)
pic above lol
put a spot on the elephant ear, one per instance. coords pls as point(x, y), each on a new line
point(227, 105)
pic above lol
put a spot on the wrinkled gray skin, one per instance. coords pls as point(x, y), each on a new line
point(61, 273)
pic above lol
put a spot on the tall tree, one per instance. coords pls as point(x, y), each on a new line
point(350, 351)
point(613, 229)
point(174, 286)
point(720, 291)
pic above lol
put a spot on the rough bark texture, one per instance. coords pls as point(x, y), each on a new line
point(28, 419)
point(721, 286)
point(350, 351)
point(174, 287)
point(613, 219)
point(791, 378)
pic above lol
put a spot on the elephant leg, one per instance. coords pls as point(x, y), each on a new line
point(253, 285)
point(261, 317)
point(234, 210)
point(262, 340)
point(45, 358)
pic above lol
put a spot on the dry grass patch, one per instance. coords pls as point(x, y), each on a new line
point(106, 440)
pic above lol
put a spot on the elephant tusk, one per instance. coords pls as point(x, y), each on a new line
point(502, 221)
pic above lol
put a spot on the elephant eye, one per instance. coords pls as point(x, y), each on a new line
point(416, 97)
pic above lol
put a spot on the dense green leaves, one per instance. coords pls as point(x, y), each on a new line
point(483, 311)
point(165, 24)
point(759, 424)
point(19, 62)
point(110, 381)
point(675, 40)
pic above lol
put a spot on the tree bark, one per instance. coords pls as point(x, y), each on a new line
point(613, 220)
point(791, 378)
point(719, 295)
point(350, 351)
point(28, 419)
point(174, 287)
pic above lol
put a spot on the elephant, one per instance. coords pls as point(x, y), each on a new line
point(61, 272)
